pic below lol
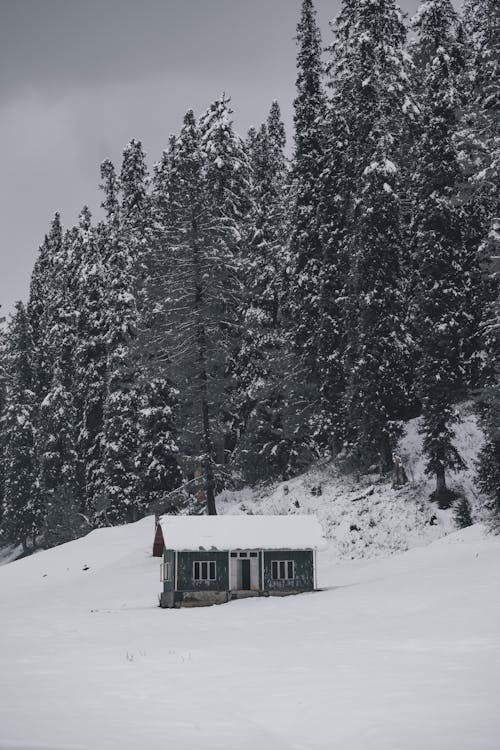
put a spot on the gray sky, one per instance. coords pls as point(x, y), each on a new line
point(80, 78)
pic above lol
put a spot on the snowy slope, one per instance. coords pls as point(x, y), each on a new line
point(394, 654)
point(363, 516)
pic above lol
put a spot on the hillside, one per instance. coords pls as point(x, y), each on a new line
point(362, 515)
point(393, 653)
point(397, 652)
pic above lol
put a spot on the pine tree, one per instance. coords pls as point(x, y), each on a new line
point(90, 357)
point(479, 139)
point(489, 458)
point(203, 288)
point(438, 228)
point(227, 173)
point(117, 496)
point(463, 515)
point(264, 361)
point(158, 467)
point(371, 93)
point(334, 191)
point(23, 513)
point(58, 462)
point(306, 248)
point(44, 290)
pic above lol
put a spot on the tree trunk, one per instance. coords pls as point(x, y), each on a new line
point(201, 338)
point(207, 441)
point(442, 495)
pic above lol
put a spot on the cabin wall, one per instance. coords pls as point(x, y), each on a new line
point(304, 571)
point(169, 556)
point(185, 581)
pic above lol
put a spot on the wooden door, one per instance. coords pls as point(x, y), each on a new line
point(245, 575)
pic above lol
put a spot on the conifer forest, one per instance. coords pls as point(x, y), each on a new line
point(246, 307)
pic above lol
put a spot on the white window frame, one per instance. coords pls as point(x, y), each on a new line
point(208, 563)
point(166, 572)
point(286, 563)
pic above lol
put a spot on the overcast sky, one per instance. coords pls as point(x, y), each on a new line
point(80, 78)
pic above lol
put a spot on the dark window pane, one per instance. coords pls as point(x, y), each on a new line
point(243, 554)
point(253, 554)
point(282, 569)
point(234, 554)
point(290, 569)
point(274, 570)
point(212, 571)
point(204, 571)
point(197, 571)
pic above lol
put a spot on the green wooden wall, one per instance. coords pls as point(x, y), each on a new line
point(185, 580)
point(304, 570)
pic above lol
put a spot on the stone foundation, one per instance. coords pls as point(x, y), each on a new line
point(171, 599)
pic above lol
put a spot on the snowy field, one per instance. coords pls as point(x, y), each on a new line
point(393, 654)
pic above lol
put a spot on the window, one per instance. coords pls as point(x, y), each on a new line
point(253, 554)
point(204, 571)
point(165, 572)
point(282, 570)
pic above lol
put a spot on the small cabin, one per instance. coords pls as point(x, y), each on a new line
point(213, 559)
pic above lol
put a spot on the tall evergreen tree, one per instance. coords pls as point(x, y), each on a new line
point(58, 461)
point(90, 358)
point(371, 92)
point(23, 513)
point(117, 497)
point(489, 458)
point(203, 288)
point(438, 228)
point(305, 241)
point(264, 360)
point(479, 140)
point(45, 288)
point(227, 173)
point(158, 467)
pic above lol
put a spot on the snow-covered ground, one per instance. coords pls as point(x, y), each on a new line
point(393, 654)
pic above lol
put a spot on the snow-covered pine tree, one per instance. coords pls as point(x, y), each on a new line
point(489, 458)
point(306, 250)
point(135, 214)
point(45, 280)
point(335, 189)
point(86, 296)
point(227, 173)
point(23, 513)
point(58, 461)
point(371, 93)
point(482, 25)
point(264, 362)
point(438, 248)
point(479, 139)
point(203, 290)
point(158, 468)
point(117, 499)
point(463, 514)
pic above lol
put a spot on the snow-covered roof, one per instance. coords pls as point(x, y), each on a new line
point(193, 533)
